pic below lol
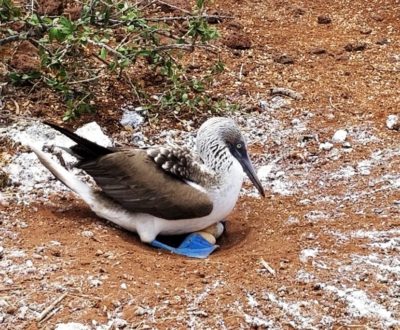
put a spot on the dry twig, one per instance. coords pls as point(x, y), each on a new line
point(267, 267)
point(180, 18)
point(286, 92)
point(52, 306)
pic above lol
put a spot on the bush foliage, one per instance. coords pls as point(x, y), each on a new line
point(121, 36)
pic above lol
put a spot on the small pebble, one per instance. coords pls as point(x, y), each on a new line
point(263, 105)
point(392, 122)
point(377, 17)
point(11, 309)
point(131, 119)
point(140, 311)
point(326, 146)
point(123, 286)
point(120, 323)
point(355, 47)
point(324, 19)
point(383, 41)
point(284, 59)
point(366, 31)
point(318, 51)
point(346, 145)
point(87, 233)
point(340, 136)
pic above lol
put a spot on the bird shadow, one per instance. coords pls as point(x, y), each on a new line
point(234, 236)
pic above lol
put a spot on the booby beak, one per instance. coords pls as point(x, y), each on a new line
point(244, 160)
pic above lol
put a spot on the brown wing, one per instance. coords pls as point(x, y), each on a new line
point(135, 181)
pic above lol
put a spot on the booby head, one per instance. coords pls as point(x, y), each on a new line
point(218, 138)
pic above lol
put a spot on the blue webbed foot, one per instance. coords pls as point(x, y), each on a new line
point(194, 246)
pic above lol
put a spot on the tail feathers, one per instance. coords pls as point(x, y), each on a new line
point(66, 177)
point(84, 149)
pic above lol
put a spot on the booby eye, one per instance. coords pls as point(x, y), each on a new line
point(239, 146)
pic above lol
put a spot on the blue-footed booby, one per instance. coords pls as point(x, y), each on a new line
point(163, 190)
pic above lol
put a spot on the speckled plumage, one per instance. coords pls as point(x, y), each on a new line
point(182, 163)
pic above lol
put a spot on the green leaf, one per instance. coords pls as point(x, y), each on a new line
point(103, 53)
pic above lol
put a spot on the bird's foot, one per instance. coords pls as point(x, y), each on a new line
point(199, 244)
point(194, 246)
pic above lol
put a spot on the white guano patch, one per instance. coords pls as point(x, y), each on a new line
point(360, 305)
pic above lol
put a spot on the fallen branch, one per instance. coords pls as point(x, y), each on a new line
point(174, 7)
point(85, 80)
point(110, 49)
point(180, 18)
point(50, 315)
point(52, 306)
point(185, 47)
point(286, 92)
point(24, 35)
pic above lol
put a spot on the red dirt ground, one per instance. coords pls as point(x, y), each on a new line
point(343, 218)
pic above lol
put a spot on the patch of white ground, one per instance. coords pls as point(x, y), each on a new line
point(30, 180)
point(353, 289)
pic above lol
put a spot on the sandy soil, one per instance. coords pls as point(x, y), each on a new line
point(321, 251)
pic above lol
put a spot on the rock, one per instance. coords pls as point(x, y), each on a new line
point(94, 282)
point(318, 51)
point(87, 233)
point(342, 57)
point(119, 323)
point(213, 17)
point(284, 59)
point(140, 311)
point(339, 136)
point(237, 40)
point(346, 145)
point(93, 132)
point(4, 179)
point(326, 146)
point(286, 92)
point(131, 119)
point(275, 103)
point(355, 47)
point(123, 286)
point(11, 309)
point(382, 42)
point(392, 122)
point(377, 17)
point(324, 19)
point(366, 30)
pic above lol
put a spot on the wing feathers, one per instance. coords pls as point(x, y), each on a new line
point(133, 180)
